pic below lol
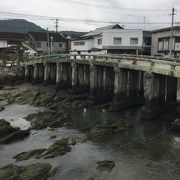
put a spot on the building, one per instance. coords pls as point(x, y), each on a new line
point(8, 39)
point(161, 42)
point(39, 42)
point(112, 39)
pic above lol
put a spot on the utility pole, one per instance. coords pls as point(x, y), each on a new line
point(144, 23)
point(48, 41)
point(172, 29)
point(57, 24)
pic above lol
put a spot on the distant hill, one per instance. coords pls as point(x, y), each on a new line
point(18, 26)
point(73, 34)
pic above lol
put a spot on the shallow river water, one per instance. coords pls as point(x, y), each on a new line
point(148, 151)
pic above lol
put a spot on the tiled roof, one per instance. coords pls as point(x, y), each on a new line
point(42, 36)
point(12, 36)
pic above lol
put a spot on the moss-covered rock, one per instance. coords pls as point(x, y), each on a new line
point(31, 172)
point(46, 119)
point(105, 165)
point(98, 130)
point(30, 154)
point(15, 136)
point(59, 148)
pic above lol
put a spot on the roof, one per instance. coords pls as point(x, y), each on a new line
point(99, 31)
point(166, 29)
point(42, 36)
point(12, 36)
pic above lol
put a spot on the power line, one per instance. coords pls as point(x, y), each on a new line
point(40, 17)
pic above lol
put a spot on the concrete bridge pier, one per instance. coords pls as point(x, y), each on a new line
point(27, 73)
point(59, 73)
point(160, 95)
point(74, 76)
point(93, 82)
point(53, 73)
point(35, 73)
point(100, 83)
point(41, 72)
point(47, 73)
point(66, 78)
point(81, 72)
point(127, 89)
point(86, 78)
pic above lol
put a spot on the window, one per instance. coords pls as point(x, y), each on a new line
point(134, 41)
point(99, 41)
point(79, 43)
point(60, 45)
point(117, 40)
point(38, 44)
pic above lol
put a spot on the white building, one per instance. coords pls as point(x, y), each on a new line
point(111, 39)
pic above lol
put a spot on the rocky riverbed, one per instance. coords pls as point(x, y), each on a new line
point(46, 134)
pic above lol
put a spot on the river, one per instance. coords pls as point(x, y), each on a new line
point(148, 151)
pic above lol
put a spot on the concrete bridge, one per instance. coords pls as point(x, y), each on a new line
point(125, 80)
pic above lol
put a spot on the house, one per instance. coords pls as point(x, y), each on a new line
point(112, 39)
point(39, 42)
point(161, 42)
point(8, 39)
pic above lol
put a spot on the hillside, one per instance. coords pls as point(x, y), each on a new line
point(18, 26)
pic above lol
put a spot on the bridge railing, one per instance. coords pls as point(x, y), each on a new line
point(134, 59)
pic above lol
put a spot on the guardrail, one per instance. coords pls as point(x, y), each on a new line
point(111, 57)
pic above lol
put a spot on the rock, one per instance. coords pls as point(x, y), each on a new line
point(175, 126)
point(31, 172)
point(53, 137)
point(15, 136)
point(6, 129)
point(46, 119)
point(2, 108)
point(105, 165)
point(98, 130)
point(71, 142)
point(59, 148)
point(30, 154)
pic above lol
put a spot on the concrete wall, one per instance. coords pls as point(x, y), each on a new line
point(3, 44)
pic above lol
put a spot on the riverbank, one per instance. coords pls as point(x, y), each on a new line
point(129, 149)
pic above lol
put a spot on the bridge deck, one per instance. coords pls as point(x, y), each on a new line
point(164, 66)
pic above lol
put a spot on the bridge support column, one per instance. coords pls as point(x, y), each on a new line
point(47, 72)
point(134, 84)
point(100, 80)
point(41, 72)
point(27, 73)
point(81, 77)
point(160, 95)
point(120, 88)
point(126, 90)
point(36, 73)
point(86, 78)
point(74, 76)
point(58, 75)
point(53, 73)
point(171, 89)
point(93, 80)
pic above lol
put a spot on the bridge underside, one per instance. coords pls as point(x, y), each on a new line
point(103, 82)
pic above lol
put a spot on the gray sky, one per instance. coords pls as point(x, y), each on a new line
point(101, 10)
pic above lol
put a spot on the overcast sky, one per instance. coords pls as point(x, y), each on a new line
point(102, 10)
